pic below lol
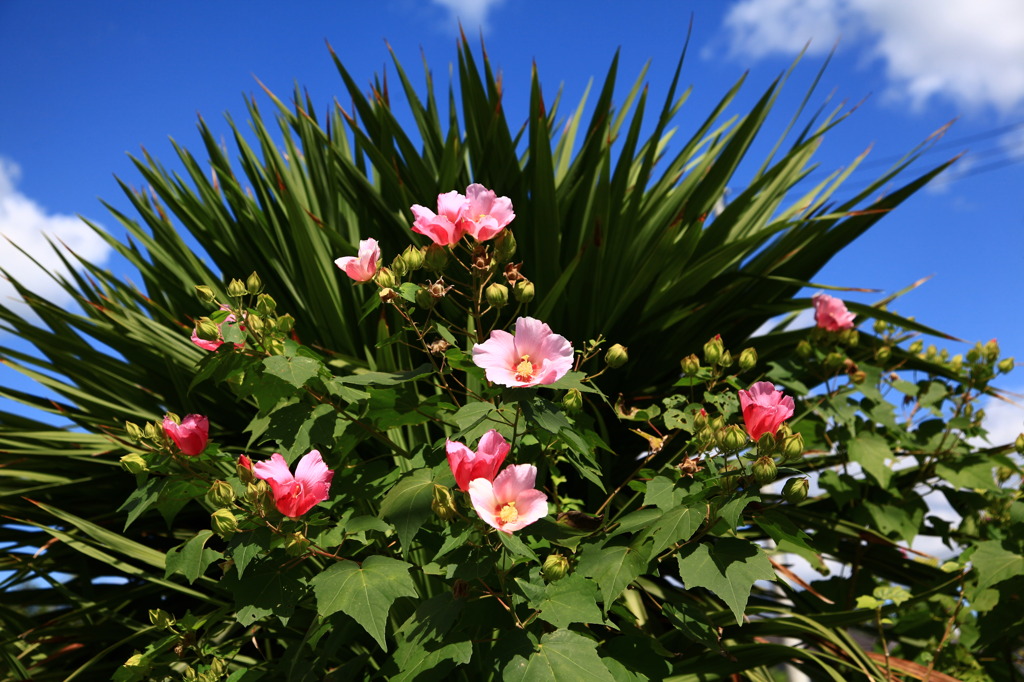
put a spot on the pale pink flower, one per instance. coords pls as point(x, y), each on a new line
point(296, 495)
point(484, 463)
point(363, 267)
point(191, 435)
point(764, 408)
point(830, 313)
point(485, 214)
point(445, 228)
point(510, 503)
point(534, 355)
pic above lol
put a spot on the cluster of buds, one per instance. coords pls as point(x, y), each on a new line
point(252, 313)
point(718, 356)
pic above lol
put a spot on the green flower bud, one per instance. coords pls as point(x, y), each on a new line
point(255, 323)
point(161, 619)
point(795, 490)
point(880, 326)
point(766, 444)
point(748, 359)
point(725, 360)
point(436, 258)
point(957, 362)
point(572, 401)
point(443, 503)
point(224, 523)
point(717, 423)
point(700, 419)
point(285, 323)
point(555, 567)
point(134, 463)
point(916, 347)
point(616, 356)
point(732, 438)
point(1019, 444)
point(974, 354)
point(255, 492)
point(134, 431)
point(220, 494)
point(833, 361)
point(793, 447)
point(386, 278)
point(849, 337)
point(207, 329)
point(236, 288)
point(424, 299)
point(205, 294)
point(151, 431)
point(496, 295)
point(265, 304)
point(413, 258)
point(524, 291)
point(1006, 365)
point(765, 470)
point(803, 349)
point(713, 350)
point(296, 545)
point(243, 467)
point(858, 377)
point(690, 365)
point(253, 284)
point(504, 246)
point(398, 266)
point(883, 353)
point(135, 661)
point(992, 350)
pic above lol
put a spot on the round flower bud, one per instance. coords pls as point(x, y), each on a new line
point(152, 431)
point(386, 278)
point(834, 361)
point(285, 324)
point(524, 291)
point(795, 490)
point(160, 619)
point(765, 470)
point(443, 503)
point(803, 349)
point(717, 423)
point(616, 356)
point(766, 444)
point(255, 323)
point(398, 266)
point(916, 347)
point(220, 494)
point(1018, 444)
point(849, 337)
point(236, 288)
point(725, 360)
point(255, 492)
point(956, 363)
point(504, 246)
point(413, 258)
point(134, 463)
point(880, 326)
point(883, 353)
point(424, 299)
point(436, 258)
point(496, 295)
point(265, 304)
point(555, 567)
point(690, 365)
point(992, 350)
point(243, 467)
point(296, 544)
point(205, 294)
point(858, 377)
point(713, 350)
point(207, 329)
point(748, 359)
point(732, 438)
point(1005, 365)
point(793, 447)
point(223, 523)
point(572, 401)
point(134, 431)
point(700, 419)
point(253, 284)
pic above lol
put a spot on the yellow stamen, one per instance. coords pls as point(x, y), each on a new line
point(525, 369)
point(508, 513)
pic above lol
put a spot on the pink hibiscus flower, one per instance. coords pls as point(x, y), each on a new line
point(534, 355)
point(485, 214)
point(191, 435)
point(830, 313)
point(296, 495)
point(764, 409)
point(363, 267)
point(445, 228)
point(511, 502)
point(484, 463)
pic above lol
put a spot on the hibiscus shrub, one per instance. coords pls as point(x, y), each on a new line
point(468, 517)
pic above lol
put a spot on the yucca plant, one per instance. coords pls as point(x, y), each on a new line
point(625, 235)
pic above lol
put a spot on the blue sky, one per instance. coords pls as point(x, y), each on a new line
point(86, 83)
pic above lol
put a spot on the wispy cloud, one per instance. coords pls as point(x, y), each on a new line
point(968, 51)
point(472, 14)
point(27, 224)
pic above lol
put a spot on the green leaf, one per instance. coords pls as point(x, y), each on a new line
point(663, 493)
point(728, 567)
point(192, 557)
point(385, 378)
point(994, 564)
point(269, 588)
point(407, 505)
point(573, 599)
point(561, 656)
point(678, 524)
point(247, 546)
point(294, 371)
point(871, 451)
point(612, 567)
point(423, 651)
point(365, 593)
point(516, 547)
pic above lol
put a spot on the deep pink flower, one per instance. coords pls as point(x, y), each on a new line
point(510, 503)
point(830, 313)
point(363, 267)
point(244, 461)
point(214, 345)
point(484, 463)
point(191, 435)
point(534, 355)
point(296, 495)
point(445, 228)
point(485, 214)
point(764, 409)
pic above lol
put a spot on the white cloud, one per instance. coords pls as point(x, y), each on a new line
point(1004, 420)
point(968, 51)
point(471, 13)
point(25, 223)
